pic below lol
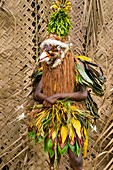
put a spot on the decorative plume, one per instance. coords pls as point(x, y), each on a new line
point(61, 4)
point(59, 22)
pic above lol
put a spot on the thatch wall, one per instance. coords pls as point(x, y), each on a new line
point(22, 28)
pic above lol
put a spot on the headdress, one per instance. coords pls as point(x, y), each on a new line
point(57, 44)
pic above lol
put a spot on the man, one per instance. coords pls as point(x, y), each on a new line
point(48, 100)
point(67, 110)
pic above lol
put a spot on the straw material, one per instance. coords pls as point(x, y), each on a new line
point(22, 29)
point(61, 78)
point(16, 66)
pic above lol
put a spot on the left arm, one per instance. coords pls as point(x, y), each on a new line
point(75, 96)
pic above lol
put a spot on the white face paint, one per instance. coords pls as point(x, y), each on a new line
point(54, 58)
point(44, 57)
point(56, 63)
point(54, 43)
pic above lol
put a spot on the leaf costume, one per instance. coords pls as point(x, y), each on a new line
point(66, 123)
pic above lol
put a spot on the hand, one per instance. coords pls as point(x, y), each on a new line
point(49, 101)
point(46, 104)
point(52, 99)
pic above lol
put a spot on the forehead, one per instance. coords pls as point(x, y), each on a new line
point(53, 42)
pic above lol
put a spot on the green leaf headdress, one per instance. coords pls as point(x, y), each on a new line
point(59, 22)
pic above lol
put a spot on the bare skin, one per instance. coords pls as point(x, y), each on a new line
point(75, 162)
point(75, 96)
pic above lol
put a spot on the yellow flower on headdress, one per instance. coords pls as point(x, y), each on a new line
point(59, 4)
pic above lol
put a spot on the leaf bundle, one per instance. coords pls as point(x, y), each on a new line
point(59, 23)
point(62, 123)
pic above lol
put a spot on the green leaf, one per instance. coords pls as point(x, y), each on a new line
point(40, 139)
point(32, 135)
point(49, 143)
point(58, 20)
point(51, 153)
point(46, 122)
point(83, 74)
point(79, 78)
point(62, 31)
point(63, 150)
point(45, 146)
point(77, 149)
point(72, 147)
point(83, 114)
point(75, 88)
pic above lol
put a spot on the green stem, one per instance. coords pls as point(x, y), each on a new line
point(56, 149)
point(56, 156)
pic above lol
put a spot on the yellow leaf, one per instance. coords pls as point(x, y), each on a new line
point(40, 69)
point(54, 135)
point(71, 133)
point(73, 108)
point(58, 3)
point(76, 79)
point(64, 133)
point(54, 6)
point(67, 3)
point(85, 142)
point(77, 125)
point(53, 115)
point(64, 109)
point(84, 58)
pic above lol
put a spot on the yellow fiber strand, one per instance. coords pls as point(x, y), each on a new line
point(85, 142)
point(55, 87)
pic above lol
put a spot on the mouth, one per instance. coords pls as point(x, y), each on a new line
point(44, 59)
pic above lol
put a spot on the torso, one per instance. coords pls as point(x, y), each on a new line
point(60, 79)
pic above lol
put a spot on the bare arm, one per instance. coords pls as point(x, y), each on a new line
point(38, 95)
point(76, 96)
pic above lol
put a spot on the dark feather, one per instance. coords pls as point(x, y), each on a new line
point(91, 106)
point(97, 78)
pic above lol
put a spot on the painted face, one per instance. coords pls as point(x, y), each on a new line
point(54, 51)
point(50, 53)
point(44, 57)
point(47, 47)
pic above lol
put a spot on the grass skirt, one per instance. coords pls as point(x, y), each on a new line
point(63, 125)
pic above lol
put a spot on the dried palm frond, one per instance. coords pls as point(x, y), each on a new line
point(92, 17)
point(105, 143)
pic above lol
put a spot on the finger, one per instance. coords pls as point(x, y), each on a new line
point(47, 104)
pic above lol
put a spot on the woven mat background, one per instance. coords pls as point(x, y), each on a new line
point(22, 29)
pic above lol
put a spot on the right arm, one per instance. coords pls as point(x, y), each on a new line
point(38, 95)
